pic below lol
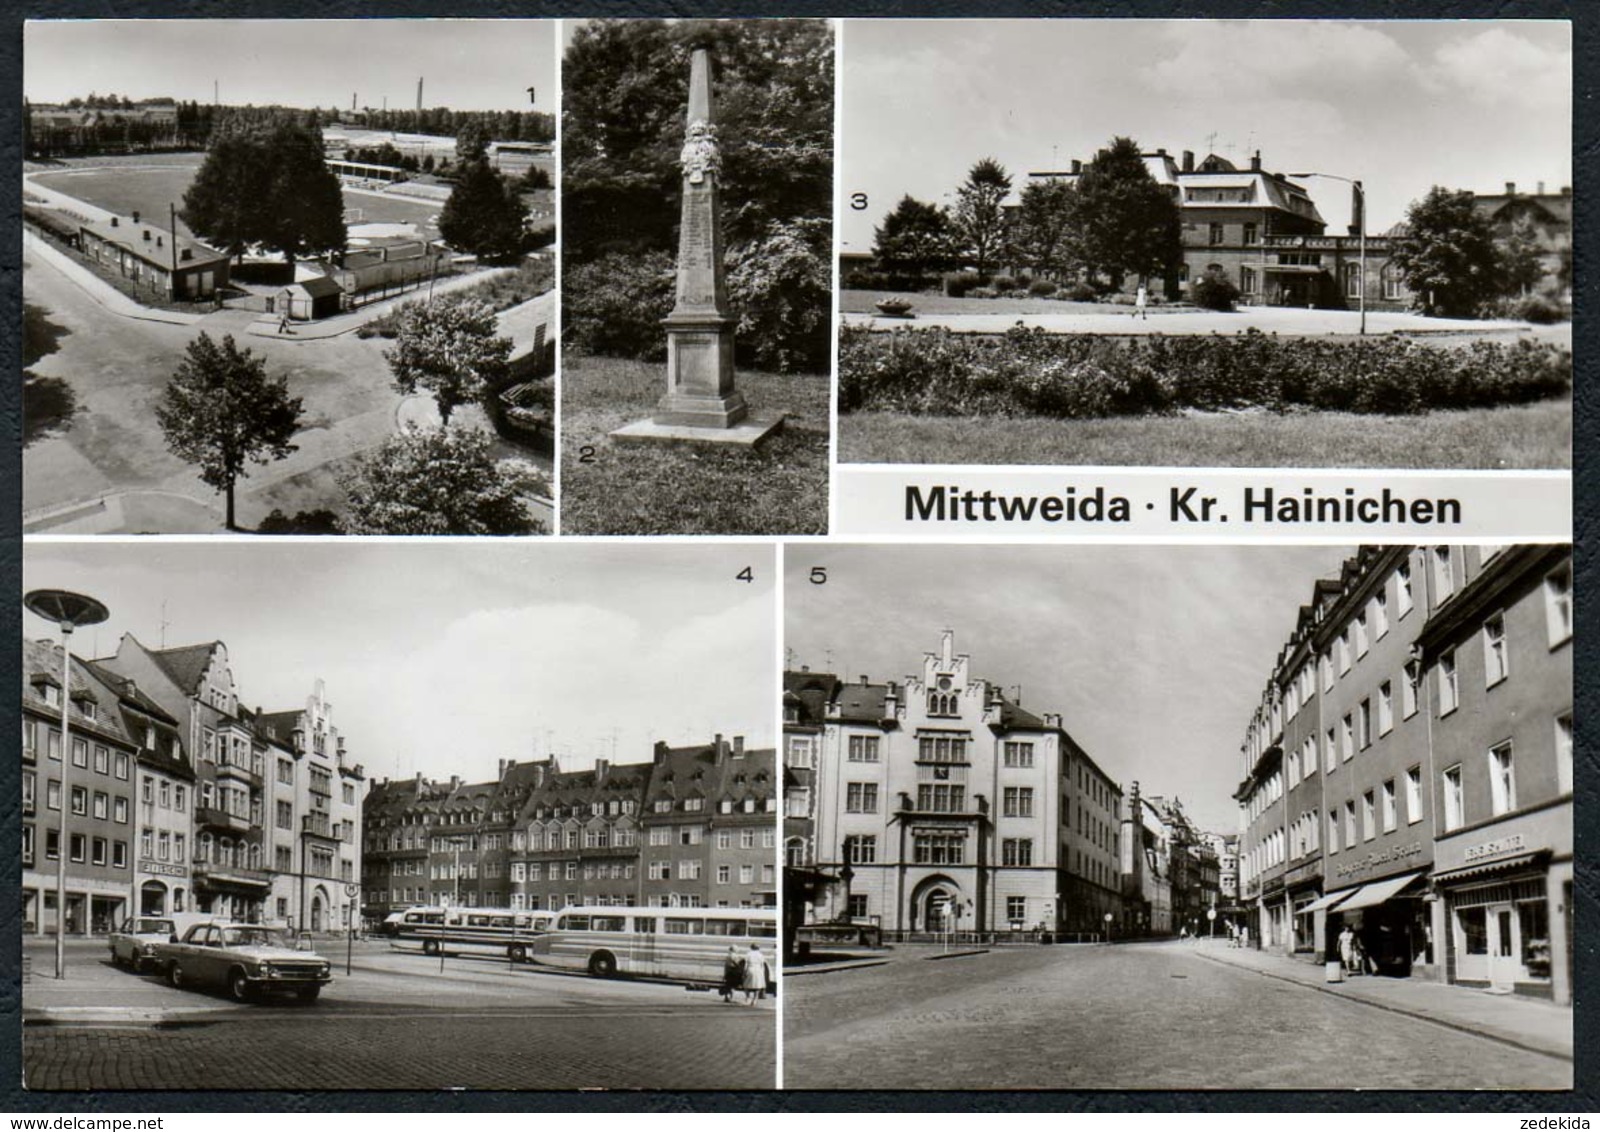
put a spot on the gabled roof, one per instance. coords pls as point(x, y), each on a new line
point(185, 664)
point(809, 693)
point(41, 664)
point(861, 703)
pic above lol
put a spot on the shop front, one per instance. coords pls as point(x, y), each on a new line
point(1390, 922)
point(1506, 899)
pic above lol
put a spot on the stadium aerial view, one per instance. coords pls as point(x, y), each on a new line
point(268, 248)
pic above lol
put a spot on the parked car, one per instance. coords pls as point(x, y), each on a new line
point(133, 944)
point(246, 959)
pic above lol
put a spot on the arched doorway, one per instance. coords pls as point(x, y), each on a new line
point(936, 905)
point(319, 910)
point(153, 898)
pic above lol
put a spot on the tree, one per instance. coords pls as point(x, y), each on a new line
point(472, 141)
point(222, 412)
point(1521, 257)
point(1447, 255)
point(979, 219)
point(1127, 223)
point(782, 287)
point(265, 181)
point(1045, 236)
point(440, 482)
point(915, 239)
point(451, 350)
point(485, 214)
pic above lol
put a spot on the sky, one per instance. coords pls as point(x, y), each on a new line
point(1401, 106)
point(1155, 656)
point(466, 64)
point(444, 656)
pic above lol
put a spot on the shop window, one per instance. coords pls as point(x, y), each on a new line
point(1474, 925)
point(1534, 917)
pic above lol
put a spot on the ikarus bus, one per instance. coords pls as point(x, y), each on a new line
point(688, 944)
point(457, 930)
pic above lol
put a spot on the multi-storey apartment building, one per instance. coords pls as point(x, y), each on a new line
point(92, 785)
point(955, 809)
point(1496, 655)
point(1364, 753)
point(805, 701)
point(1146, 870)
point(397, 820)
point(580, 836)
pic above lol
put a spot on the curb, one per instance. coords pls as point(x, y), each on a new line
point(831, 968)
point(1449, 1024)
point(955, 954)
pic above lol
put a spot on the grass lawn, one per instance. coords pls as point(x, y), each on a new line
point(863, 302)
point(1518, 436)
point(779, 488)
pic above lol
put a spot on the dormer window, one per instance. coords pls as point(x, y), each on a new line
point(749, 805)
point(694, 805)
point(663, 806)
point(725, 806)
point(51, 691)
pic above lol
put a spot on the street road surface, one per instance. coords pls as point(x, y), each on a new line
point(1139, 1016)
point(395, 1023)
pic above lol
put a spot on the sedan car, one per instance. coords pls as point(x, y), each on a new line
point(133, 944)
point(245, 959)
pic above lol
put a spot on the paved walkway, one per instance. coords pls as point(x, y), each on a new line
point(1273, 320)
point(1523, 1022)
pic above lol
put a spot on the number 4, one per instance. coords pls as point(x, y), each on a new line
point(745, 575)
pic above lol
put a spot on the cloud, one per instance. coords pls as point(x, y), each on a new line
point(1290, 58)
point(1499, 66)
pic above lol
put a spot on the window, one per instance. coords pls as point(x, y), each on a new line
point(1016, 852)
point(285, 815)
point(1452, 797)
point(1333, 831)
point(102, 760)
point(1403, 592)
point(119, 854)
point(164, 792)
point(1449, 692)
point(1362, 643)
point(863, 748)
point(659, 835)
point(180, 799)
point(1502, 779)
point(80, 753)
point(1380, 614)
point(941, 749)
point(689, 834)
point(724, 873)
point(858, 906)
point(1408, 689)
point(1413, 795)
point(1444, 582)
point(1216, 235)
point(1018, 754)
point(102, 805)
point(747, 874)
point(80, 801)
point(861, 849)
point(1251, 232)
point(1391, 281)
point(688, 870)
point(52, 845)
point(1496, 661)
point(1385, 708)
point(76, 844)
point(1331, 760)
point(941, 798)
point(1350, 834)
point(1558, 605)
point(747, 839)
point(1018, 801)
point(1364, 724)
point(1347, 738)
point(1390, 819)
point(1344, 651)
point(938, 847)
point(1564, 753)
point(1325, 663)
point(29, 785)
point(861, 798)
point(1369, 822)
point(1352, 280)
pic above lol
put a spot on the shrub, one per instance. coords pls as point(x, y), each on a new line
point(781, 287)
point(1005, 283)
point(318, 522)
point(959, 283)
point(1538, 307)
point(1032, 372)
point(614, 305)
point(1042, 288)
point(1215, 293)
point(1081, 292)
point(982, 293)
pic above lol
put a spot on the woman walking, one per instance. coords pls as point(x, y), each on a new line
point(732, 973)
point(755, 974)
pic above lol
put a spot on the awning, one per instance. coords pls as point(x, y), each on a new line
point(1326, 903)
point(1371, 895)
point(1505, 864)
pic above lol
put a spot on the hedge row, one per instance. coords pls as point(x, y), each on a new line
point(1034, 373)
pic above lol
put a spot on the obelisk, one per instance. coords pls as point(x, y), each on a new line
point(701, 402)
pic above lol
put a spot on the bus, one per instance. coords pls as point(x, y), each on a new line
point(456, 929)
point(686, 944)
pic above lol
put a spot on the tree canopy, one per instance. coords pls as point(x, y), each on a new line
point(1127, 222)
point(266, 182)
point(440, 482)
point(484, 214)
point(222, 412)
point(624, 96)
point(979, 218)
point(915, 239)
point(450, 349)
point(1447, 254)
point(1046, 237)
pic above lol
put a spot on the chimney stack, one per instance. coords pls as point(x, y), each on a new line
point(1188, 161)
point(1511, 188)
point(455, 783)
point(1255, 162)
point(601, 767)
point(1541, 188)
point(864, 680)
point(660, 751)
point(738, 746)
point(1077, 165)
point(501, 773)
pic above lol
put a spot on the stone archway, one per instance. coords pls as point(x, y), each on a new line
point(319, 909)
point(936, 904)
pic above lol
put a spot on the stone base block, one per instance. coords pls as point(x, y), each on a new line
point(748, 433)
point(704, 410)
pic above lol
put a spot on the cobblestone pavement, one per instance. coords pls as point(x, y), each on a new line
point(395, 1023)
point(1144, 1016)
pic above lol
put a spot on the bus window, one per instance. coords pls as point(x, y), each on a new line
point(724, 927)
point(574, 923)
point(519, 921)
point(501, 921)
point(764, 931)
point(433, 918)
point(645, 925)
point(416, 918)
point(685, 927)
point(607, 924)
point(478, 921)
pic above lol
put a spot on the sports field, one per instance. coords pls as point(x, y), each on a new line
point(149, 189)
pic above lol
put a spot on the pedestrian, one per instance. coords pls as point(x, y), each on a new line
point(283, 324)
point(1347, 950)
point(732, 973)
point(755, 974)
point(1139, 302)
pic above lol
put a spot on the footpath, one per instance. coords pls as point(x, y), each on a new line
point(1529, 1024)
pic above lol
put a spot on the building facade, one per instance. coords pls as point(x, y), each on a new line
point(956, 810)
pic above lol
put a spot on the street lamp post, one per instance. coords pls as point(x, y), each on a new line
point(68, 610)
point(1361, 235)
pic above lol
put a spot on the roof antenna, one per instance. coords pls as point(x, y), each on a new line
point(164, 623)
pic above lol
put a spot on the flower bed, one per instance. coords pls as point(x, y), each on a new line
point(1035, 373)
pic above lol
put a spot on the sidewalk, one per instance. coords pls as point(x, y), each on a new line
point(1523, 1022)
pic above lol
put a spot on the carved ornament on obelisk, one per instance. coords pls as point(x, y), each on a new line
point(700, 388)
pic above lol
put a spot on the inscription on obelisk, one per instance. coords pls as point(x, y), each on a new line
point(700, 386)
